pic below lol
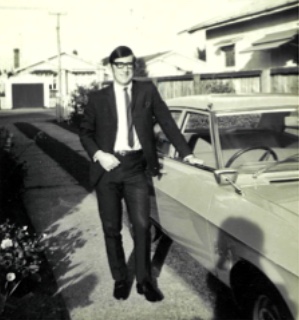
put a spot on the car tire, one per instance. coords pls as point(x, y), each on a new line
point(267, 304)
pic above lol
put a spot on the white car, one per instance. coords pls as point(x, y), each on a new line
point(237, 214)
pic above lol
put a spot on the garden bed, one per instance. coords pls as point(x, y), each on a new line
point(32, 299)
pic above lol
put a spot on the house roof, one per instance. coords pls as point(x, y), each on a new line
point(69, 62)
point(252, 10)
point(153, 56)
point(178, 60)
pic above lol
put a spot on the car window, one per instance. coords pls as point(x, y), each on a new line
point(196, 131)
point(256, 131)
point(162, 143)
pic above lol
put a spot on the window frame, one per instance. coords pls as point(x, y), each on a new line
point(229, 55)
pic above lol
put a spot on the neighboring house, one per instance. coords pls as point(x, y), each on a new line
point(172, 63)
point(259, 36)
point(36, 85)
point(168, 63)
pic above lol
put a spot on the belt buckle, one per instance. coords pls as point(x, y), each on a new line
point(122, 152)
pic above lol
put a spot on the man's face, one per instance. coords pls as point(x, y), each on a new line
point(123, 70)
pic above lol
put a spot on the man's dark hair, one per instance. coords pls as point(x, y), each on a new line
point(120, 52)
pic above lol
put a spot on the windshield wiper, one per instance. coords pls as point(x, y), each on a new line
point(293, 158)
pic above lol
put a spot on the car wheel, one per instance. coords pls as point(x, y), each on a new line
point(268, 306)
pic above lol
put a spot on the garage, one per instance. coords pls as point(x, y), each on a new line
point(28, 95)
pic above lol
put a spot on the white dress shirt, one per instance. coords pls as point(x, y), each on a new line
point(121, 142)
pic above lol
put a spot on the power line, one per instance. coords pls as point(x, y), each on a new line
point(22, 8)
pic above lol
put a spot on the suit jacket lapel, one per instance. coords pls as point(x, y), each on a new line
point(112, 102)
point(135, 94)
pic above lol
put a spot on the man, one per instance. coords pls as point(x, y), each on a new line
point(117, 133)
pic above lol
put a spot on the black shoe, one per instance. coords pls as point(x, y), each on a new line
point(150, 291)
point(121, 290)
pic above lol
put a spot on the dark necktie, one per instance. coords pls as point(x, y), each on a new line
point(129, 118)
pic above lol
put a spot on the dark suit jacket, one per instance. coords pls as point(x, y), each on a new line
point(99, 125)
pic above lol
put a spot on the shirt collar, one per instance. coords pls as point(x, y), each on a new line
point(121, 87)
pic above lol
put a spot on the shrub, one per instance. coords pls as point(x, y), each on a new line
point(12, 175)
point(78, 101)
point(21, 251)
point(21, 257)
point(217, 86)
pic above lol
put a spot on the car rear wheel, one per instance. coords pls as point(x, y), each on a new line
point(256, 295)
point(267, 305)
point(264, 309)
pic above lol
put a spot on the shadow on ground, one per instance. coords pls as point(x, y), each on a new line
point(76, 165)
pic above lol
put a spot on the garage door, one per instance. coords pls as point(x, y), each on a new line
point(28, 95)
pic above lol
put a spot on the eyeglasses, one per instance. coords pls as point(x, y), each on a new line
point(121, 65)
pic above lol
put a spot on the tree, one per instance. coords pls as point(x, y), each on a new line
point(140, 68)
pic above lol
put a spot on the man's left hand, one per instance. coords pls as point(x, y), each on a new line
point(193, 160)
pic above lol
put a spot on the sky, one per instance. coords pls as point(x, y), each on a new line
point(95, 27)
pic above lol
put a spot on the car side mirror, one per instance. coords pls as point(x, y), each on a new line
point(223, 176)
point(227, 177)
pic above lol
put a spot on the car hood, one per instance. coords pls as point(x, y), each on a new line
point(281, 197)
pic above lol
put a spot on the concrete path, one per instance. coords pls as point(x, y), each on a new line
point(59, 204)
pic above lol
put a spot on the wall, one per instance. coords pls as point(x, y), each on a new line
point(29, 79)
point(248, 32)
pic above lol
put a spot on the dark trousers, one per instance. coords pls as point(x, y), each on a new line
point(128, 181)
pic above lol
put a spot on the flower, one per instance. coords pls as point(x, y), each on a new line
point(43, 236)
point(6, 243)
point(10, 276)
point(21, 256)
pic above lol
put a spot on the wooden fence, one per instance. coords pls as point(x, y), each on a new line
point(282, 80)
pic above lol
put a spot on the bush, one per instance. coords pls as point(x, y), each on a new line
point(12, 175)
point(78, 101)
point(217, 86)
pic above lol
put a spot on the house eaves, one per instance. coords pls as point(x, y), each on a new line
point(249, 12)
point(154, 56)
point(50, 60)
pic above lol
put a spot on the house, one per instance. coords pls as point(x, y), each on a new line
point(172, 63)
point(262, 35)
point(36, 85)
point(167, 63)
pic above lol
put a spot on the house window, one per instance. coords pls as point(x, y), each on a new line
point(230, 54)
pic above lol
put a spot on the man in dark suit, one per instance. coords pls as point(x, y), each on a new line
point(117, 133)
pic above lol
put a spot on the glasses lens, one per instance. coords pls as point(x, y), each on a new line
point(121, 65)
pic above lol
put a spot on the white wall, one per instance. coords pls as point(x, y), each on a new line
point(30, 79)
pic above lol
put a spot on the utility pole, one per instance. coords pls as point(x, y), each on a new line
point(59, 98)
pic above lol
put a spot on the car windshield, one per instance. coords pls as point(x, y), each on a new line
point(253, 142)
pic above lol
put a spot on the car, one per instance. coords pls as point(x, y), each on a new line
point(237, 214)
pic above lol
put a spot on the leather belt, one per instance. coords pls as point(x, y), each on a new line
point(127, 152)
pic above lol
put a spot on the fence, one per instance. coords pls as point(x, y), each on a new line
point(282, 80)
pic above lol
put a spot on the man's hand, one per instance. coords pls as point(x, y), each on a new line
point(193, 160)
point(107, 160)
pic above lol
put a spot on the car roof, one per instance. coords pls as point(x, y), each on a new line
point(223, 103)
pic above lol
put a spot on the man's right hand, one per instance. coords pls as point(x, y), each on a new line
point(107, 160)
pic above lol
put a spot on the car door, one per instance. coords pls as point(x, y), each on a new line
point(183, 193)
